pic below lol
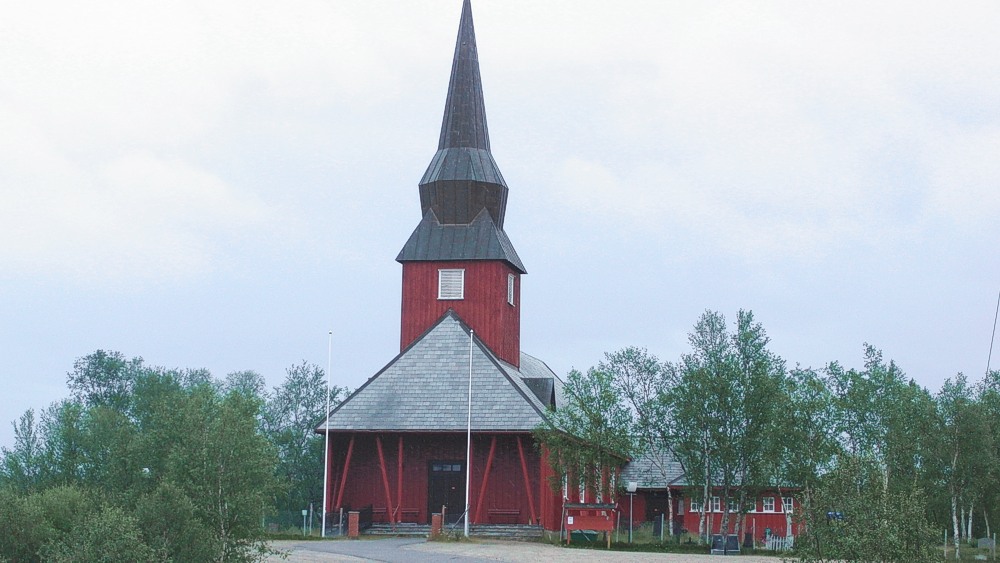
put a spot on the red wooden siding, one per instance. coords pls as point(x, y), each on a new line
point(505, 499)
point(648, 506)
point(484, 307)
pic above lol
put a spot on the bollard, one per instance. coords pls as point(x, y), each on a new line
point(353, 517)
point(435, 525)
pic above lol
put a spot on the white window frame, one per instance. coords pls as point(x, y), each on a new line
point(764, 503)
point(510, 289)
point(734, 505)
point(695, 506)
point(451, 284)
point(787, 504)
point(716, 504)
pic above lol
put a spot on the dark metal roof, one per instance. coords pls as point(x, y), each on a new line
point(465, 113)
point(425, 389)
point(462, 178)
point(478, 240)
point(463, 163)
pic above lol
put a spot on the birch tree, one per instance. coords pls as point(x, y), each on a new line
point(642, 381)
point(727, 400)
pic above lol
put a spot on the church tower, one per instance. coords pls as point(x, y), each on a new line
point(459, 256)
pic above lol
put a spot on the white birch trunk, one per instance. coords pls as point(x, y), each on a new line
point(961, 520)
point(954, 523)
point(670, 511)
point(968, 530)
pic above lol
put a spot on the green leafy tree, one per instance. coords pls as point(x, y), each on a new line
point(104, 378)
point(226, 467)
point(110, 535)
point(30, 521)
point(21, 467)
point(966, 448)
point(168, 519)
point(588, 434)
point(292, 412)
point(852, 516)
point(642, 382)
point(727, 402)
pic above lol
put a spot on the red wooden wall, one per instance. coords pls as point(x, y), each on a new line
point(756, 522)
point(506, 500)
point(484, 307)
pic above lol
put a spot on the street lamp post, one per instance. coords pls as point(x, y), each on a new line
point(632, 486)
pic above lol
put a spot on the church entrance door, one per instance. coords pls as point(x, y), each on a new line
point(446, 487)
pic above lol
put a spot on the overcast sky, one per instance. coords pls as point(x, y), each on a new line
point(218, 184)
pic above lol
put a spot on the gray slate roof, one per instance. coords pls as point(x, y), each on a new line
point(425, 388)
point(479, 240)
point(654, 470)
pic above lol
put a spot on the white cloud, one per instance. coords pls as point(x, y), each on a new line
point(790, 130)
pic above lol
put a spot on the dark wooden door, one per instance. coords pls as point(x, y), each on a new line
point(446, 487)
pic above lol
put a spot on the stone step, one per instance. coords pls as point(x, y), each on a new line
point(507, 531)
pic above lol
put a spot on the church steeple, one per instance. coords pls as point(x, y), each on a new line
point(462, 178)
point(464, 123)
point(459, 258)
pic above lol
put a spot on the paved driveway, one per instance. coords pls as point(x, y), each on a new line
point(419, 550)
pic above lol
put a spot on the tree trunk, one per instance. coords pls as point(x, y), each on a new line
point(961, 518)
point(670, 511)
point(702, 533)
point(724, 506)
point(738, 529)
point(986, 518)
point(954, 523)
point(968, 530)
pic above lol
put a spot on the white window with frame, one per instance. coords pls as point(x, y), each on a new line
point(734, 505)
point(451, 284)
point(510, 289)
point(768, 504)
point(787, 504)
point(695, 506)
point(716, 504)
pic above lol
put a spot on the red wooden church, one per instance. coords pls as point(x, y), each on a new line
point(398, 443)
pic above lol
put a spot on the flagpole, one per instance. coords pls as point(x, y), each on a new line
point(468, 439)
point(326, 439)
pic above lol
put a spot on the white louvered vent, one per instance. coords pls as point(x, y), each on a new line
point(451, 284)
point(510, 289)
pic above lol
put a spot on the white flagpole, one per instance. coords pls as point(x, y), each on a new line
point(468, 439)
point(326, 439)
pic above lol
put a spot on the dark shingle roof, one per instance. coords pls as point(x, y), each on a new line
point(479, 240)
point(655, 469)
point(425, 388)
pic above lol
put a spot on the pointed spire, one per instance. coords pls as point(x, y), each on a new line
point(462, 178)
point(464, 122)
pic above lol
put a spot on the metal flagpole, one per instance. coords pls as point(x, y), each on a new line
point(468, 438)
point(993, 337)
point(326, 440)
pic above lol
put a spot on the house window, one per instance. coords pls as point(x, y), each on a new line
point(787, 503)
point(716, 505)
point(680, 507)
point(768, 504)
point(510, 289)
point(695, 506)
point(451, 284)
point(733, 505)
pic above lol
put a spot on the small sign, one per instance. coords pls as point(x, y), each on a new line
point(569, 520)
